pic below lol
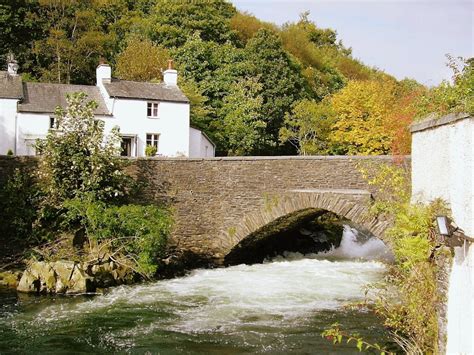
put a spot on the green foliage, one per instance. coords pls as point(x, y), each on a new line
point(20, 26)
point(308, 126)
point(10, 152)
point(132, 232)
point(408, 300)
point(455, 97)
point(281, 79)
point(150, 150)
point(337, 335)
point(75, 160)
point(246, 25)
point(175, 21)
point(216, 49)
point(141, 60)
point(243, 125)
point(19, 200)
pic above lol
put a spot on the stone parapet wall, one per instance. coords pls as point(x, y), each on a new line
point(218, 200)
point(214, 197)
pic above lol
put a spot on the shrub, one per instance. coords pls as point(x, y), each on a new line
point(19, 198)
point(151, 150)
point(134, 233)
point(408, 299)
point(78, 160)
point(10, 152)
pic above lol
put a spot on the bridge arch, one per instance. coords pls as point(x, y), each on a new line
point(286, 210)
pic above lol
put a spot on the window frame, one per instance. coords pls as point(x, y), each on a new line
point(152, 109)
point(154, 140)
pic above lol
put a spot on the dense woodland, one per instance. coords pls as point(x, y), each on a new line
point(255, 88)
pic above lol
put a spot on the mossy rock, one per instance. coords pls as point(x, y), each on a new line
point(10, 279)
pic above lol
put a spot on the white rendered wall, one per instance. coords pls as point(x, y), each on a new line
point(172, 125)
point(199, 145)
point(442, 167)
point(8, 109)
point(30, 127)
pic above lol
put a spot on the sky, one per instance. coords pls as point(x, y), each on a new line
point(405, 38)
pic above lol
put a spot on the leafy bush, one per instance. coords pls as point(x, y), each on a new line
point(83, 189)
point(132, 232)
point(19, 198)
point(408, 299)
point(455, 97)
point(77, 159)
point(150, 150)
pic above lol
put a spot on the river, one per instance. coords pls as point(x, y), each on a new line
point(278, 307)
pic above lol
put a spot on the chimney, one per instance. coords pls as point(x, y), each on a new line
point(12, 65)
point(170, 75)
point(103, 72)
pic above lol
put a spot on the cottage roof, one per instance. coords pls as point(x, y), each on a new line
point(10, 86)
point(45, 97)
point(144, 91)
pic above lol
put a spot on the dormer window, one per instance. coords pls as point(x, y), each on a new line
point(152, 110)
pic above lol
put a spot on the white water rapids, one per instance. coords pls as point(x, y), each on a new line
point(244, 302)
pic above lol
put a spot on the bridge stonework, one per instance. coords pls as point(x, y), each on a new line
point(218, 202)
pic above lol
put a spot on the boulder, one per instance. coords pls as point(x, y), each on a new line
point(64, 270)
point(79, 282)
point(10, 279)
point(39, 277)
point(68, 277)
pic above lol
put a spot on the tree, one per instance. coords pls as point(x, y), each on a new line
point(243, 127)
point(200, 110)
point(141, 60)
point(246, 26)
point(173, 22)
point(361, 111)
point(78, 33)
point(77, 159)
point(20, 26)
point(455, 97)
point(281, 79)
point(308, 126)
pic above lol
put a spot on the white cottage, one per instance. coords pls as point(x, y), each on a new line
point(147, 113)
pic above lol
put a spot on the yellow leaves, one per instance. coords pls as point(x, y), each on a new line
point(141, 60)
point(361, 109)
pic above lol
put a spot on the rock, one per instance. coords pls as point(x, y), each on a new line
point(63, 270)
point(9, 279)
point(70, 278)
point(80, 282)
point(38, 277)
point(28, 282)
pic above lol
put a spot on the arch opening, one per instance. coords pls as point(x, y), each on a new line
point(306, 231)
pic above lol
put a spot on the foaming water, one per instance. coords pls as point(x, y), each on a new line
point(353, 246)
point(278, 306)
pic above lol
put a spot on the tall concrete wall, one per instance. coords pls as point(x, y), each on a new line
point(443, 167)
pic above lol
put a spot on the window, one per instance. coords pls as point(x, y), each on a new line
point(128, 145)
point(53, 123)
point(152, 139)
point(152, 109)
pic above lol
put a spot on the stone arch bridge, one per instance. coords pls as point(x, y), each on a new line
point(220, 203)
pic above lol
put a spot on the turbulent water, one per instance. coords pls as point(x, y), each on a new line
point(280, 306)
